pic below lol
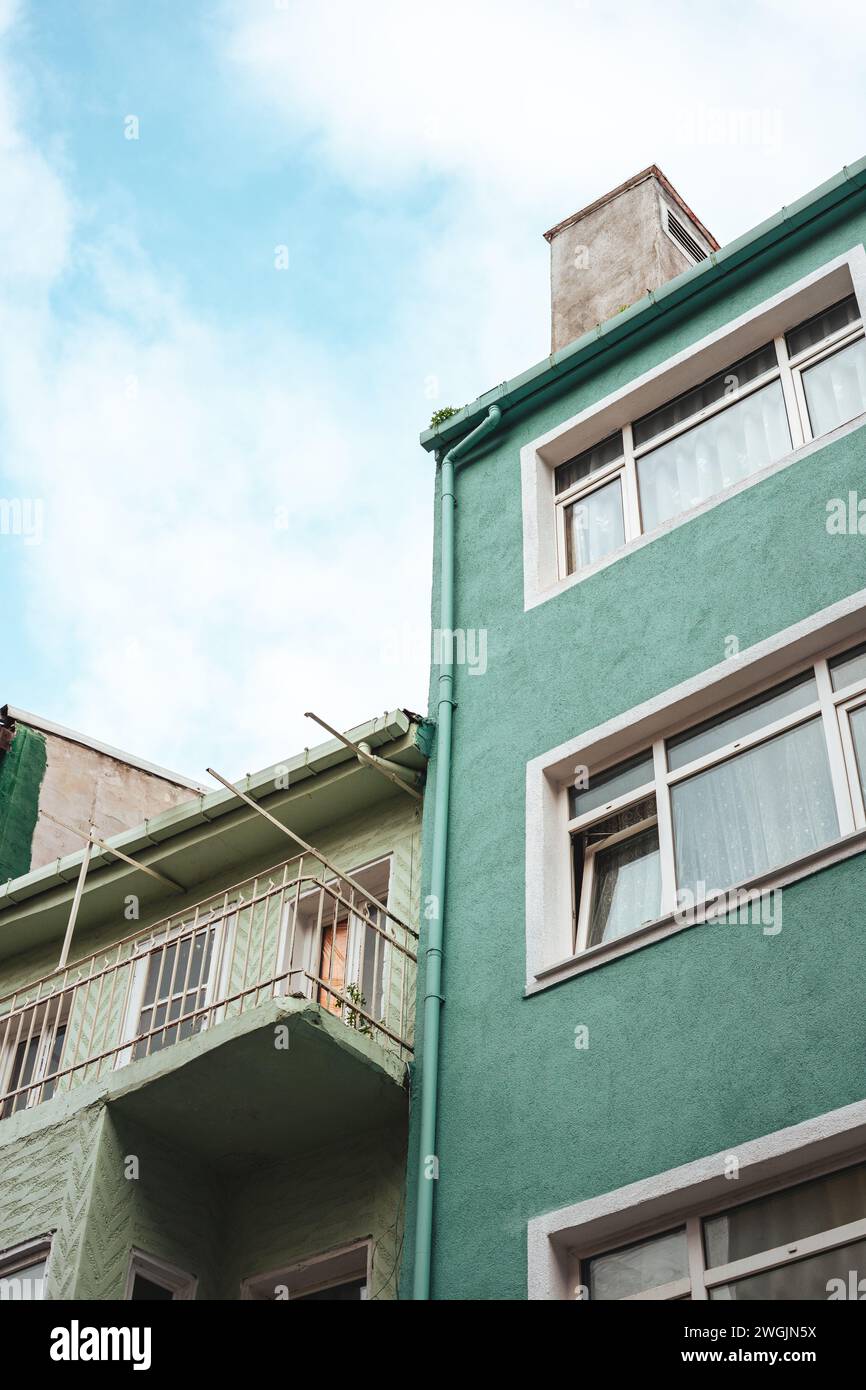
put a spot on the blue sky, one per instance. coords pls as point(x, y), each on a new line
point(235, 514)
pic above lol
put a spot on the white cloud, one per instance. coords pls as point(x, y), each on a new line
point(527, 112)
point(221, 550)
point(547, 105)
point(184, 623)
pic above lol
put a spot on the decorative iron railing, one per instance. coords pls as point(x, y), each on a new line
point(285, 932)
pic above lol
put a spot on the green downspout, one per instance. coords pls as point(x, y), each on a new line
point(427, 1163)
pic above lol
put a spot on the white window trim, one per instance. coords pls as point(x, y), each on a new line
point(311, 1275)
point(225, 921)
point(183, 1286)
point(550, 940)
point(542, 525)
point(287, 983)
point(665, 1200)
point(587, 889)
point(19, 1258)
point(44, 1028)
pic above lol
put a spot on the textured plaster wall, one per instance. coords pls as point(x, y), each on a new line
point(609, 259)
point(287, 1212)
point(74, 1179)
point(699, 1042)
point(46, 1174)
point(63, 1169)
point(85, 787)
point(173, 1208)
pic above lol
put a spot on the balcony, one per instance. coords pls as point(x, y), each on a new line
point(288, 933)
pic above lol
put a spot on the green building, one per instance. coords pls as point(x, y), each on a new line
point(642, 1062)
point(206, 1025)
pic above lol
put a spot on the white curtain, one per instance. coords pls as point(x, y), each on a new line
point(712, 456)
point(627, 887)
point(640, 1267)
point(790, 1215)
point(757, 810)
point(836, 388)
point(806, 1281)
point(596, 527)
point(858, 730)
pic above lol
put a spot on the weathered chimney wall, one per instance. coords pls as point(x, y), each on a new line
point(613, 252)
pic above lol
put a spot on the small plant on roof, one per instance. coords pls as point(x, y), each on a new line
point(440, 416)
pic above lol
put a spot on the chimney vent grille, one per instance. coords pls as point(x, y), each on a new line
point(692, 248)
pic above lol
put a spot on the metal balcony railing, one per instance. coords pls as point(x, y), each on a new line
point(288, 931)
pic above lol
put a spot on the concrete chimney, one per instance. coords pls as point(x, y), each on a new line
point(611, 253)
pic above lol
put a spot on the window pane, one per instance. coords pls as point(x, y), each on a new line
point(692, 402)
point(714, 455)
point(626, 887)
point(594, 526)
point(743, 719)
point(756, 810)
point(567, 474)
point(807, 1279)
point(337, 1293)
point(26, 1283)
point(816, 329)
point(23, 1065)
point(783, 1217)
point(848, 668)
point(54, 1061)
point(627, 819)
point(836, 388)
point(858, 733)
point(613, 782)
point(144, 1289)
point(640, 1267)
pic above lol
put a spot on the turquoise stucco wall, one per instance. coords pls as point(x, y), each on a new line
point(713, 1036)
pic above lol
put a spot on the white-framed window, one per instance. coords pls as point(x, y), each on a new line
point(718, 804)
point(323, 940)
point(805, 1241)
point(337, 1276)
point(747, 400)
point(150, 1279)
point(31, 1052)
point(798, 386)
point(759, 1219)
point(176, 977)
point(24, 1270)
point(596, 804)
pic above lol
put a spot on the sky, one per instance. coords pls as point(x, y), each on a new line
point(248, 246)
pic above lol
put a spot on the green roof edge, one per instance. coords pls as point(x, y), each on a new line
point(695, 281)
point(150, 834)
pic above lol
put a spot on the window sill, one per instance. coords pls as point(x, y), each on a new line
point(671, 923)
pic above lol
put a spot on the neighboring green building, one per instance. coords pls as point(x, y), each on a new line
point(204, 1093)
point(650, 605)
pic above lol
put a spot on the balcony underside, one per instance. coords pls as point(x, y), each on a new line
point(232, 1095)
